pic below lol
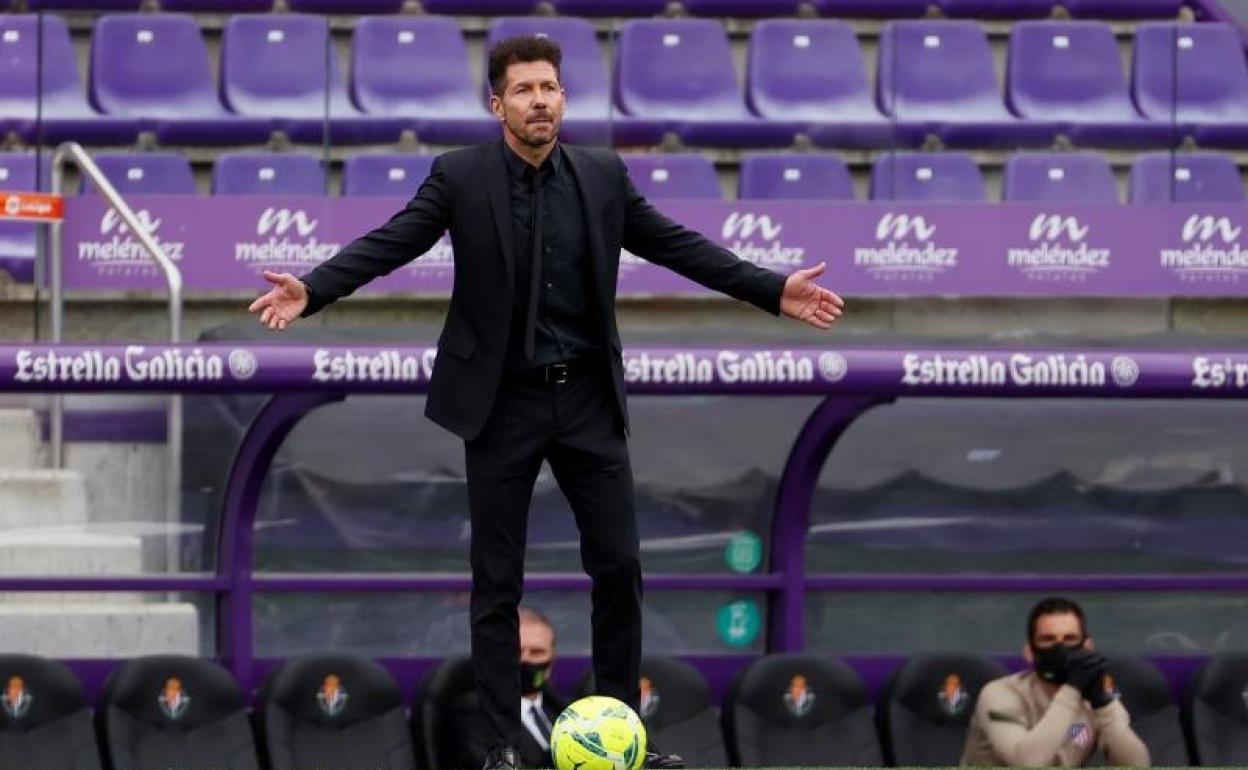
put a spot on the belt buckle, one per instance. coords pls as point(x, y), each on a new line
point(557, 374)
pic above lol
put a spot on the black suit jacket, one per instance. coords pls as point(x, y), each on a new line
point(469, 749)
point(467, 192)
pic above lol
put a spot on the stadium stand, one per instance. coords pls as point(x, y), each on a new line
point(18, 240)
point(926, 706)
point(163, 173)
point(174, 711)
point(943, 176)
point(1215, 716)
point(676, 175)
point(384, 174)
point(1161, 177)
point(244, 173)
point(1154, 716)
point(799, 176)
point(416, 69)
point(794, 709)
point(333, 711)
point(1082, 177)
point(46, 722)
point(1071, 73)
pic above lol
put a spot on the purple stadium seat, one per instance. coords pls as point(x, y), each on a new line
point(805, 176)
point(741, 7)
point(267, 173)
point(681, 71)
point(145, 173)
point(388, 174)
point(218, 6)
point(1071, 73)
point(1082, 177)
point(811, 71)
point(346, 6)
point(684, 176)
point(610, 7)
point(154, 68)
point(61, 111)
point(876, 9)
point(1009, 9)
point(483, 7)
point(18, 239)
point(281, 67)
point(1161, 177)
point(415, 69)
point(590, 118)
point(928, 176)
point(1124, 9)
point(1195, 75)
point(938, 77)
point(83, 5)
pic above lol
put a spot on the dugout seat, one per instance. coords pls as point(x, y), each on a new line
point(174, 712)
point(677, 709)
point(444, 715)
point(45, 723)
point(926, 707)
point(797, 176)
point(794, 709)
point(927, 176)
point(1215, 711)
point(1207, 177)
point(1154, 715)
point(333, 711)
point(1074, 177)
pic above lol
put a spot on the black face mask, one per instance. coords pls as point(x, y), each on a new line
point(533, 676)
point(1050, 662)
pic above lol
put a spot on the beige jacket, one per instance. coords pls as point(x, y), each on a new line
point(1017, 723)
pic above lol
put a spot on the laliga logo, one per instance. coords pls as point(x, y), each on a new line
point(747, 224)
point(112, 221)
point(1203, 228)
point(1050, 228)
point(280, 221)
point(899, 226)
point(12, 205)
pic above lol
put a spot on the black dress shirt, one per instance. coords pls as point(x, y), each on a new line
point(566, 325)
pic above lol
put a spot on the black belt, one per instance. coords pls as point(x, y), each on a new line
point(554, 374)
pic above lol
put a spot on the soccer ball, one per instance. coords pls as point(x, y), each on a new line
point(598, 733)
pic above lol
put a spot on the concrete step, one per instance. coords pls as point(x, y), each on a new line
point(99, 630)
point(67, 553)
point(41, 498)
point(20, 447)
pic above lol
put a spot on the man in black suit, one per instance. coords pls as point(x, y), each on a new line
point(529, 362)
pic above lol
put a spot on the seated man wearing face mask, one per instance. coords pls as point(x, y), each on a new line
point(1057, 713)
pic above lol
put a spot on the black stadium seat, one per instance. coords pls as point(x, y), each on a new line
point(445, 717)
point(1215, 711)
point(678, 711)
point(790, 709)
point(1154, 716)
point(45, 723)
point(333, 711)
point(927, 704)
point(174, 712)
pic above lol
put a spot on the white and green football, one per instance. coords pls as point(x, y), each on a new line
point(598, 733)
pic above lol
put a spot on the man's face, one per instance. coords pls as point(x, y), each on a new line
point(1060, 628)
point(531, 106)
point(537, 642)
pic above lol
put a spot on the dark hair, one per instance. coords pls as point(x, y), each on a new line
point(535, 616)
point(528, 48)
point(1054, 605)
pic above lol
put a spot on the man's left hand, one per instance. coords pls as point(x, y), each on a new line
point(807, 301)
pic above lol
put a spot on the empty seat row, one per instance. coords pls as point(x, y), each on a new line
point(870, 8)
point(152, 72)
point(341, 711)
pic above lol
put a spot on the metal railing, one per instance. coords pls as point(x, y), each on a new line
point(72, 151)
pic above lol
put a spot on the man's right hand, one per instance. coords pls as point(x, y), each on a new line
point(1085, 671)
point(283, 304)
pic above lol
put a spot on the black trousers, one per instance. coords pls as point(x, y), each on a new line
point(576, 427)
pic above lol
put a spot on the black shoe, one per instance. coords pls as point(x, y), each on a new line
point(657, 760)
point(502, 758)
